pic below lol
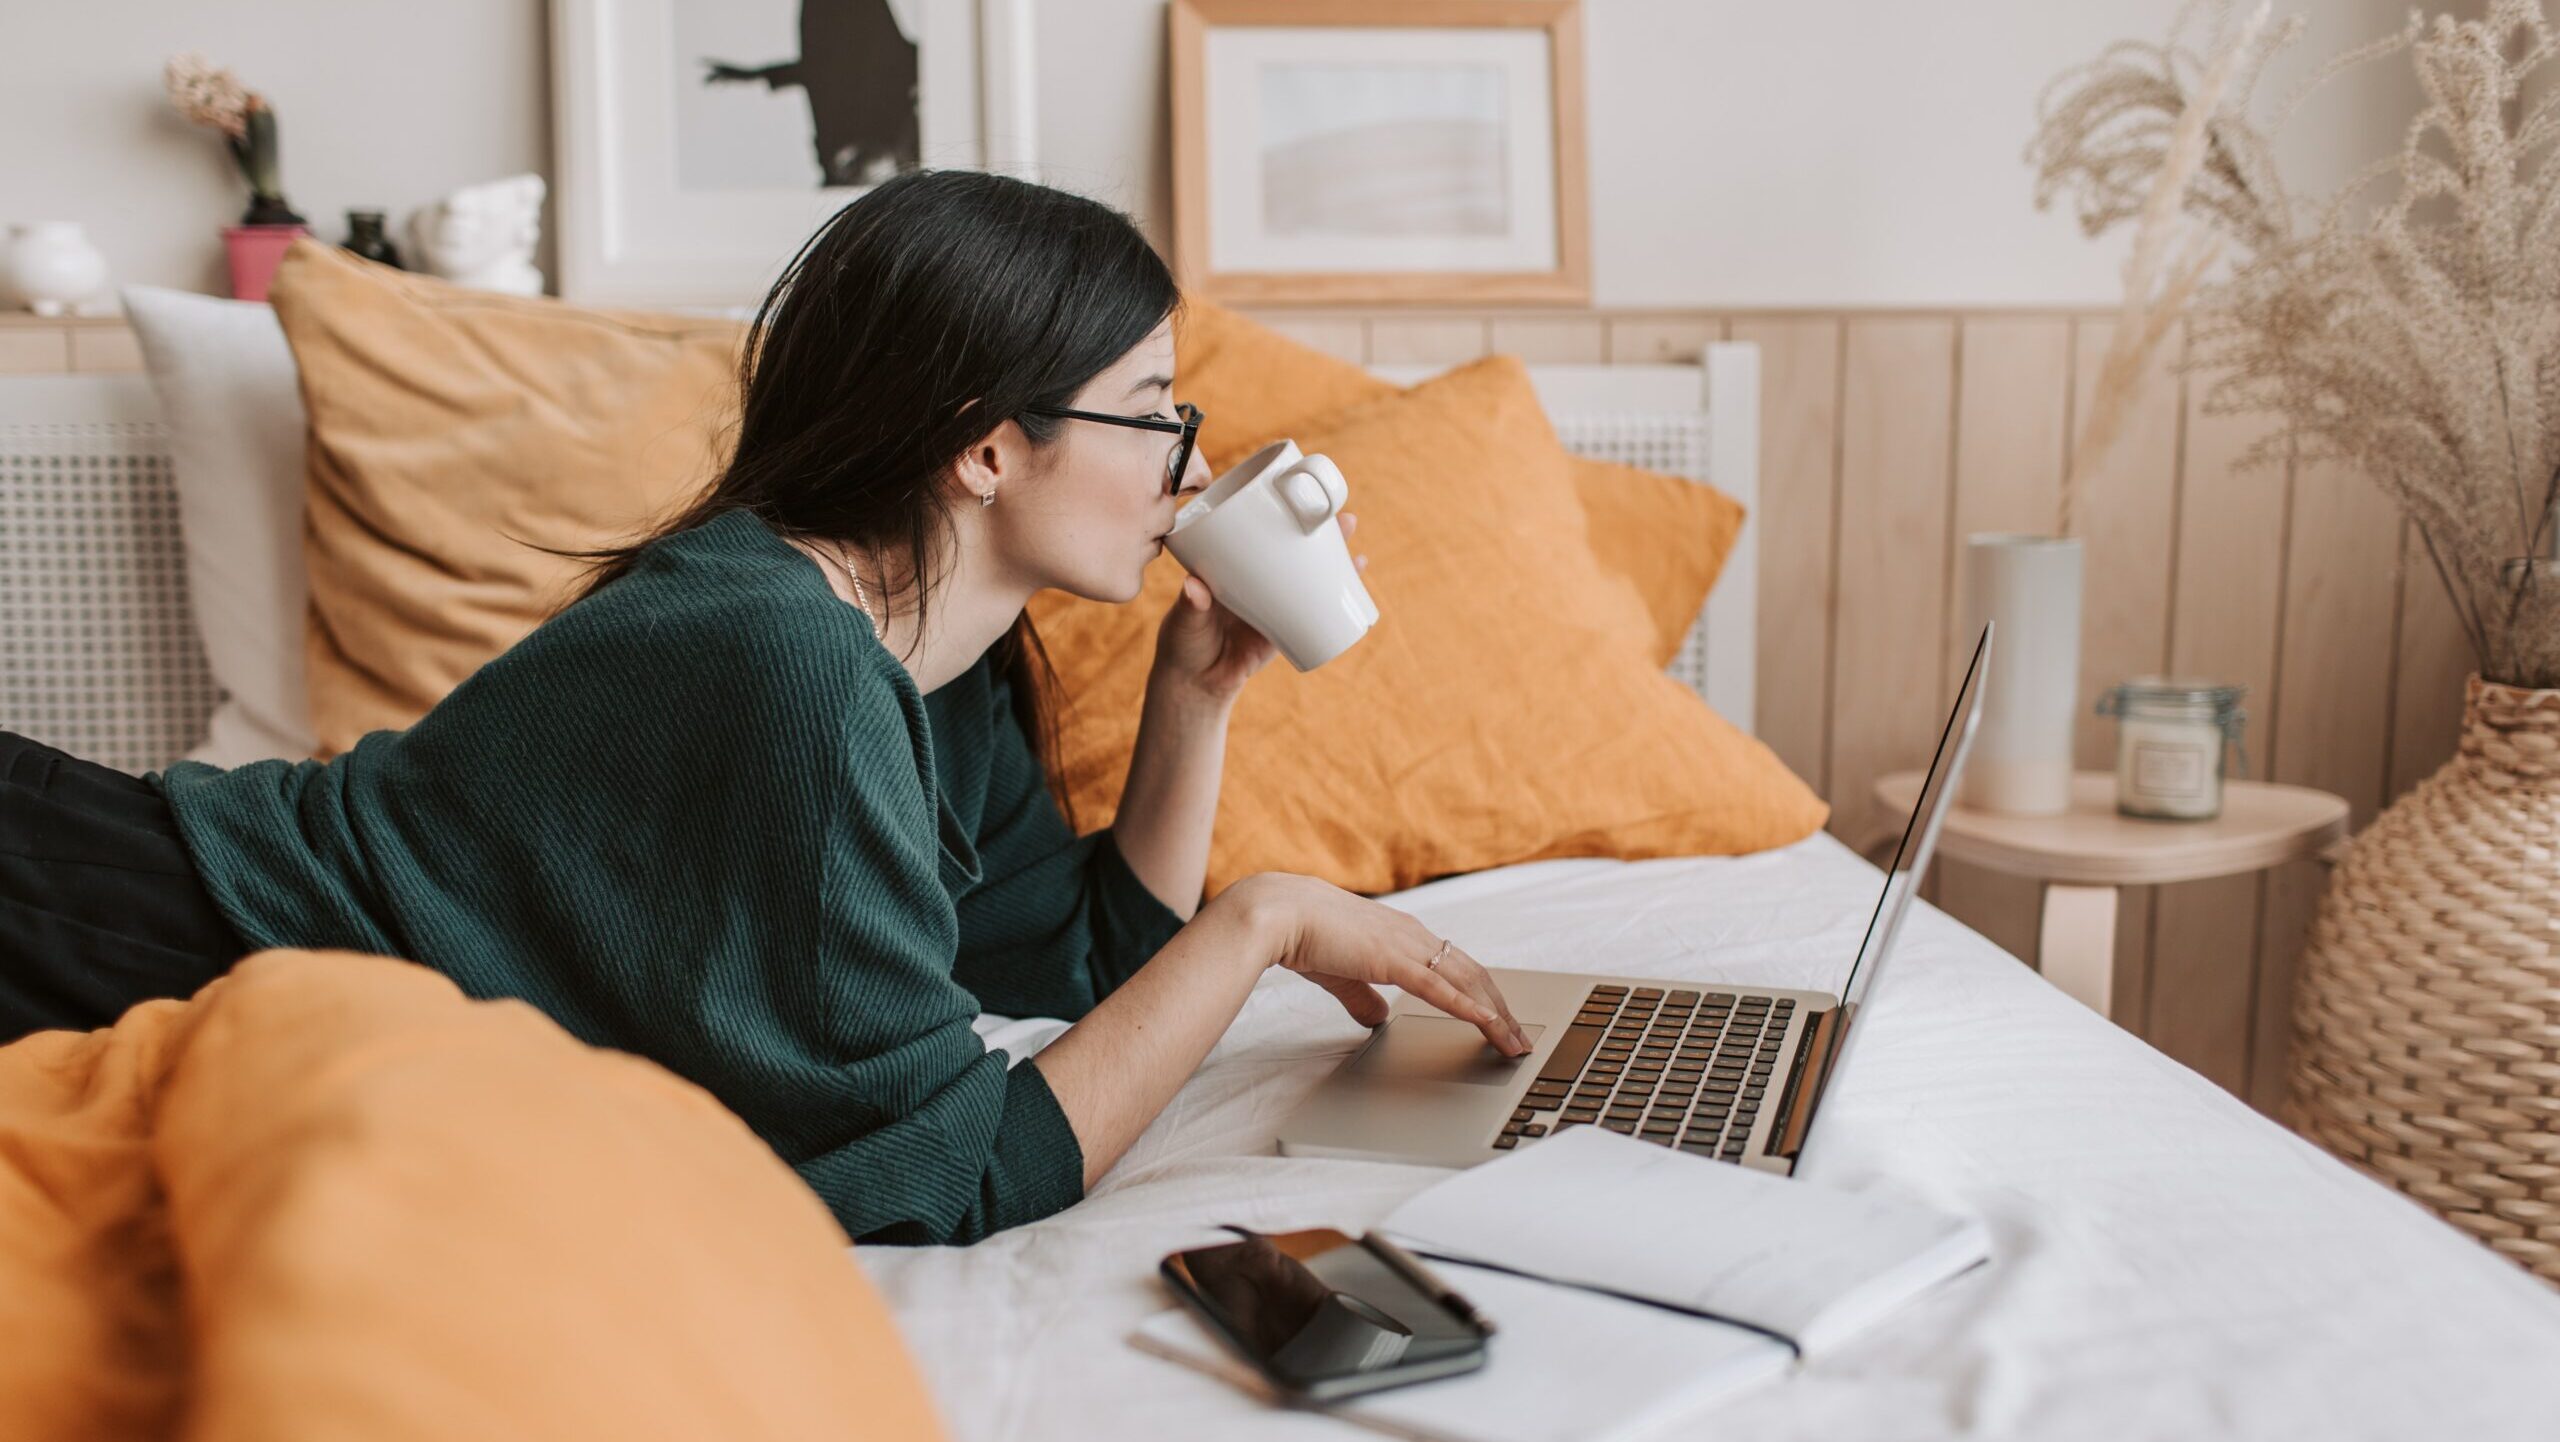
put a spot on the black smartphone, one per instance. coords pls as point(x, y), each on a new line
point(1323, 1316)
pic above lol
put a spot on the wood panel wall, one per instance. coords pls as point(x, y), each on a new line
point(90, 345)
point(1887, 437)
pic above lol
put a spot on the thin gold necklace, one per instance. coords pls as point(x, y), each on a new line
point(859, 598)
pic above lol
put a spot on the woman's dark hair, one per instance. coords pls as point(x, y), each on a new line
point(932, 309)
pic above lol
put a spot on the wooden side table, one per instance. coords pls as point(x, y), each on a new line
point(2086, 853)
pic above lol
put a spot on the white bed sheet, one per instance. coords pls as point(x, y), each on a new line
point(2168, 1264)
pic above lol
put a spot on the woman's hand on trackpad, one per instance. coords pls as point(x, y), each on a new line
point(1350, 946)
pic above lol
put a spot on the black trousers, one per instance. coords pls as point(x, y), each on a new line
point(100, 906)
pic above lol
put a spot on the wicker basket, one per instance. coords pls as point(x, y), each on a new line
point(2427, 1013)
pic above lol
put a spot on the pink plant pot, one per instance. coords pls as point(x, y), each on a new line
point(255, 251)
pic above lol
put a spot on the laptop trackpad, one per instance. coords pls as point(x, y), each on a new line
point(1438, 1049)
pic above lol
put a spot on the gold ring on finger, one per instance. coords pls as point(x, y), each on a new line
point(1434, 963)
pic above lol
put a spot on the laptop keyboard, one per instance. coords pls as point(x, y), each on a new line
point(1685, 1069)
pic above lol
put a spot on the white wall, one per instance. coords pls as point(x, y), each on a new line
point(378, 105)
point(1817, 153)
point(1869, 152)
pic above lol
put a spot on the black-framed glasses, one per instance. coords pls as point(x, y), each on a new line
point(1188, 428)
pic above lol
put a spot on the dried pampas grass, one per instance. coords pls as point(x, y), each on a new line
point(2103, 130)
point(2413, 333)
point(2156, 287)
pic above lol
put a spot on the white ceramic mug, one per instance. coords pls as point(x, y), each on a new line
point(1263, 536)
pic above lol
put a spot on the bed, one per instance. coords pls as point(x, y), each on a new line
point(2168, 1263)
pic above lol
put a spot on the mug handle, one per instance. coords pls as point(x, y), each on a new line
point(1314, 491)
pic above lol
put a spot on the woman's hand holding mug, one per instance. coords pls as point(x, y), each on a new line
point(1267, 542)
point(1209, 650)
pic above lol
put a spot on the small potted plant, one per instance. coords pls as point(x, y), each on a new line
point(210, 96)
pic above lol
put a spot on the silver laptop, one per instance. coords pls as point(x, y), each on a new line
point(1734, 1073)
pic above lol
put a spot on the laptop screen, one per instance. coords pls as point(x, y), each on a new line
point(1910, 863)
point(1920, 833)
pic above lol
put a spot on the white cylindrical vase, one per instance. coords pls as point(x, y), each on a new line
point(2029, 586)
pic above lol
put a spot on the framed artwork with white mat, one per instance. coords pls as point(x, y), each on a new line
point(1379, 151)
point(699, 142)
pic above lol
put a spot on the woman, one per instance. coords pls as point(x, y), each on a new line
point(763, 803)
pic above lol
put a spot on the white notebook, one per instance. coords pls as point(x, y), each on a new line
point(1594, 1209)
point(1586, 1220)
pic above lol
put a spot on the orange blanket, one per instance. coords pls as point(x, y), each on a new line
point(330, 1197)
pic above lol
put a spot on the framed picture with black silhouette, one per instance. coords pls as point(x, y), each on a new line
point(1379, 151)
point(697, 143)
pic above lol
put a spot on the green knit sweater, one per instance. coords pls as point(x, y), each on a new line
point(703, 815)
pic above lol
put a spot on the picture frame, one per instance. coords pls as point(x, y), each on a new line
point(671, 198)
point(1361, 152)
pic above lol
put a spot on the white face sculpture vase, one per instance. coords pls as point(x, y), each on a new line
point(483, 235)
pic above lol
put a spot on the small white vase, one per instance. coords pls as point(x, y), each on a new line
point(53, 267)
point(2030, 587)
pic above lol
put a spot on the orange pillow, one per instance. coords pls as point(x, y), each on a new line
point(1668, 535)
point(332, 1197)
point(1507, 707)
point(452, 433)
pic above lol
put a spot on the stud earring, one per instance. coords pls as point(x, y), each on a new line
point(986, 498)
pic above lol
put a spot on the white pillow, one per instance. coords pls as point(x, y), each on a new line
point(233, 404)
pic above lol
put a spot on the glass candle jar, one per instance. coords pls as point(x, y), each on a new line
point(2170, 736)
